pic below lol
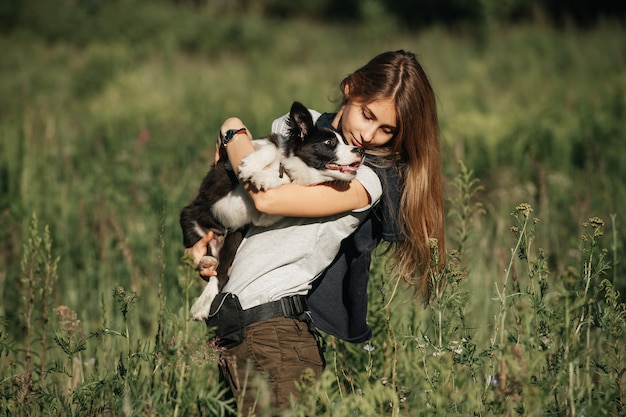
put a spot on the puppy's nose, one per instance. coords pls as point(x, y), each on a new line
point(360, 151)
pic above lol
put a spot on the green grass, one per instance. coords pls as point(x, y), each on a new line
point(104, 141)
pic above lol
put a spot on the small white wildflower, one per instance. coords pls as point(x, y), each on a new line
point(402, 393)
point(456, 347)
point(419, 344)
point(438, 353)
point(369, 348)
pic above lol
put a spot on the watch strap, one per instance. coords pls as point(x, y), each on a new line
point(229, 135)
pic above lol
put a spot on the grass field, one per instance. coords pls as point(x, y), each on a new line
point(102, 142)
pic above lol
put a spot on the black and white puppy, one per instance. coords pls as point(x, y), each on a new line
point(307, 155)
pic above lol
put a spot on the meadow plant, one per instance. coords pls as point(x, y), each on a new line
point(555, 346)
point(87, 373)
point(547, 351)
point(555, 343)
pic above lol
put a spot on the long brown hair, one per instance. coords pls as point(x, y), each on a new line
point(415, 152)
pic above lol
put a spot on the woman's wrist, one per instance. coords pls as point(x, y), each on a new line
point(230, 134)
point(238, 148)
point(230, 129)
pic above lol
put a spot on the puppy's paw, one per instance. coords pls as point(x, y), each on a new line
point(207, 263)
point(247, 170)
point(267, 179)
point(201, 308)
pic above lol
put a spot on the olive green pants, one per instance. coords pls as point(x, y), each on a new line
point(263, 370)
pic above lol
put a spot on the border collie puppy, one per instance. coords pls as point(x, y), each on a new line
point(307, 155)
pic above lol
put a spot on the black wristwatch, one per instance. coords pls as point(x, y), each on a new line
point(229, 135)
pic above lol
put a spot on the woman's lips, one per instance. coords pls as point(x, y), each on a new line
point(356, 142)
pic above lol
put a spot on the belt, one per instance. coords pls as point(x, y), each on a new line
point(293, 306)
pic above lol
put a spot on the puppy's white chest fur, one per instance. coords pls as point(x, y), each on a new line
point(300, 173)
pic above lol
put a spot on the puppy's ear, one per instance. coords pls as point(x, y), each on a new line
point(300, 121)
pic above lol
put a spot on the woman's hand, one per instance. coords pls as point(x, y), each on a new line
point(199, 250)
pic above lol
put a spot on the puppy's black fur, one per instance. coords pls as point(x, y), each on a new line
point(216, 185)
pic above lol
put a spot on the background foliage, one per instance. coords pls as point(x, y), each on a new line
point(108, 114)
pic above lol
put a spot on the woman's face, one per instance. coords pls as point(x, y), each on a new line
point(367, 125)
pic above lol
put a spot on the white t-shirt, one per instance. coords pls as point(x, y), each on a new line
point(284, 259)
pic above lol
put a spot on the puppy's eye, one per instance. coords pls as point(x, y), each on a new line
point(330, 142)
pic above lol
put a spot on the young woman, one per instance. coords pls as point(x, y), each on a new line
point(324, 245)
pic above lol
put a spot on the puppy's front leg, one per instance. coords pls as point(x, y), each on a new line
point(257, 161)
point(201, 308)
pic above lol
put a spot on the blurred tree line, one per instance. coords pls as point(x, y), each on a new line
point(71, 19)
point(422, 13)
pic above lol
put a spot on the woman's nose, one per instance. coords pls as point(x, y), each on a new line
point(367, 135)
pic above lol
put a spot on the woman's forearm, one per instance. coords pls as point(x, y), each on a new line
point(240, 145)
point(320, 200)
